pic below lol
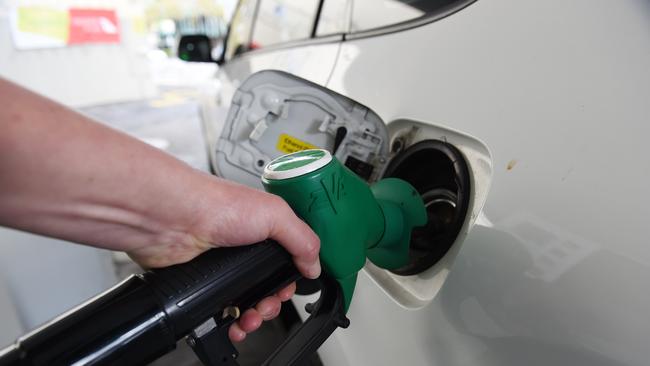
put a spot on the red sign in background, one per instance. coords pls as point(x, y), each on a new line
point(93, 26)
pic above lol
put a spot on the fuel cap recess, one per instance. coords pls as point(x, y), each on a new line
point(296, 164)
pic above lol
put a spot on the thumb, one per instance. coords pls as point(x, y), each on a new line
point(296, 237)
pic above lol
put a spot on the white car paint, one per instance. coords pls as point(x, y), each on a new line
point(557, 267)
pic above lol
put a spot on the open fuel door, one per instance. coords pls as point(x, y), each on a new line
point(274, 113)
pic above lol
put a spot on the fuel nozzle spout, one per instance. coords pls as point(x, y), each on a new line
point(353, 220)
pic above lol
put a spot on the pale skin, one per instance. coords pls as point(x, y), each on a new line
point(66, 176)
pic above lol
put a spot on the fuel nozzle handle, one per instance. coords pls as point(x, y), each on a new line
point(142, 318)
point(353, 220)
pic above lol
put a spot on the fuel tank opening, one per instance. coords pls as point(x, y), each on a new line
point(440, 173)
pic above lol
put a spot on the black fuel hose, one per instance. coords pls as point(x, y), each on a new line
point(143, 317)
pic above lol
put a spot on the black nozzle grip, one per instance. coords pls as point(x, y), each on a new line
point(193, 292)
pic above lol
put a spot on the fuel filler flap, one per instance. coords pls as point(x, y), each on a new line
point(274, 113)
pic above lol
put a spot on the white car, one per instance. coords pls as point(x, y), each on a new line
point(524, 124)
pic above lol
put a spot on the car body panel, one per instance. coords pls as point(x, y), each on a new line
point(559, 272)
point(557, 267)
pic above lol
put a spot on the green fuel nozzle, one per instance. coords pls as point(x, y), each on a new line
point(353, 220)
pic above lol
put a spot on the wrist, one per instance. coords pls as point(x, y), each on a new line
point(173, 223)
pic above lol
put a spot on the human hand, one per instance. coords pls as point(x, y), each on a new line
point(109, 190)
point(232, 215)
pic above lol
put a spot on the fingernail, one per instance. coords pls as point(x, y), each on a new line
point(284, 297)
point(314, 270)
point(240, 334)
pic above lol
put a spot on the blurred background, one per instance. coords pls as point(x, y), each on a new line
point(115, 61)
point(85, 53)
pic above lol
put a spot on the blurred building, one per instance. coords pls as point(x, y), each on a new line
point(76, 52)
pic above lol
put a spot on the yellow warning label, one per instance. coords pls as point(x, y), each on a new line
point(288, 144)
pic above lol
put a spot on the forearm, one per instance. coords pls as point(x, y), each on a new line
point(66, 176)
point(63, 175)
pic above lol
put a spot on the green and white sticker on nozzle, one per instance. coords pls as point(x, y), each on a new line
point(296, 164)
